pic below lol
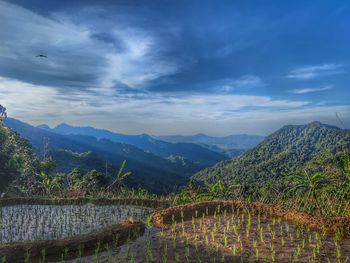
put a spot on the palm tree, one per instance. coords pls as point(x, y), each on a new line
point(119, 180)
point(309, 185)
point(48, 183)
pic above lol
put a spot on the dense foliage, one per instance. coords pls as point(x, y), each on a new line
point(302, 167)
point(17, 161)
point(23, 174)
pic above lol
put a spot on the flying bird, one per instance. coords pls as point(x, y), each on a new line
point(41, 56)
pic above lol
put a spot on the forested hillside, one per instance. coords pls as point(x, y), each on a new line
point(300, 166)
point(16, 157)
point(287, 150)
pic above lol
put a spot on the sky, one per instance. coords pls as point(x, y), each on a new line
point(176, 67)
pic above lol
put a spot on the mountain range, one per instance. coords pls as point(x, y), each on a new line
point(150, 171)
point(190, 151)
point(156, 165)
point(163, 166)
point(232, 145)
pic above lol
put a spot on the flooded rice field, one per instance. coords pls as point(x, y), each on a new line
point(241, 235)
point(21, 223)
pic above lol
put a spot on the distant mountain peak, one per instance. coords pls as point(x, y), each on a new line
point(44, 127)
point(201, 135)
point(63, 125)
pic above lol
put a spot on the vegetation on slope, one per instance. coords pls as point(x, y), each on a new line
point(23, 174)
point(299, 166)
point(289, 149)
point(17, 159)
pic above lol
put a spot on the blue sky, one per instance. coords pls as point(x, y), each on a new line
point(176, 67)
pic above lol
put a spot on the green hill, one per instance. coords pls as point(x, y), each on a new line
point(304, 167)
point(291, 149)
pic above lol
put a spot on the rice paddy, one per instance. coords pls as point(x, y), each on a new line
point(211, 234)
point(22, 223)
point(255, 237)
point(243, 235)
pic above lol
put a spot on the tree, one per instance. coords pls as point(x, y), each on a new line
point(74, 178)
point(92, 181)
point(48, 184)
point(18, 164)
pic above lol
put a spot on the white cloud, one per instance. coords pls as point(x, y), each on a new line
point(160, 113)
point(139, 63)
point(311, 90)
point(311, 72)
point(75, 57)
point(246, 81)
point(89, 67)
point(44, 103)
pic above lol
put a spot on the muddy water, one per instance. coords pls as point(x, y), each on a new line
point(22, 223)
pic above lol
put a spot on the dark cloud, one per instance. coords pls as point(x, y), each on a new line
point(158, 51)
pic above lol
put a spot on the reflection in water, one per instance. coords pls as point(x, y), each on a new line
point(49, 222)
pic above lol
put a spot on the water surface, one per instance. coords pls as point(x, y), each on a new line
point(21, 223)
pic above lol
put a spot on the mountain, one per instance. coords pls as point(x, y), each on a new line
point(150, 171)
point(237, 141)
point(231, 146)
point(290, 149)
point(193, 152)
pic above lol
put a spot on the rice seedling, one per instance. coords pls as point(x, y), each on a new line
point(265, 237)
point(49, 222)
point(220, 237)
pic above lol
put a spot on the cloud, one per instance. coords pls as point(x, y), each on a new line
point(139, 63)
point(80, 56)
point(311, 72)
point(28, 34)
point(161, 113)
point(138, 68)
point(246, 81)
point(311, 90)
point(37, 101)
